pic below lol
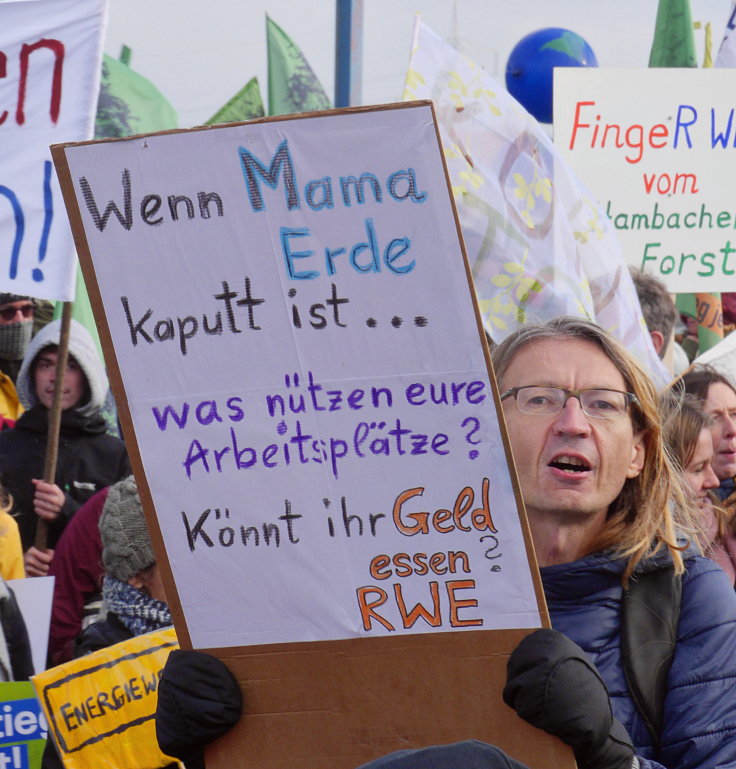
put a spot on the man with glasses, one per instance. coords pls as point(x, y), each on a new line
point(604, 506)
point(16, 329)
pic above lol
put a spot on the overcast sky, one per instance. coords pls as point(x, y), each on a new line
point(200, 53)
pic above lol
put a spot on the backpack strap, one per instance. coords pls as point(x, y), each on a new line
point(650, 612)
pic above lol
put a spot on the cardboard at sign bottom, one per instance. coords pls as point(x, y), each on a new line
point(339, 704)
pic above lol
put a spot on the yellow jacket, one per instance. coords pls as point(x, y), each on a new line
point(10, 407)
point(11, 552)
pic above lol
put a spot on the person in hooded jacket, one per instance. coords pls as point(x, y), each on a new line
point(607, 509)
point(135, 599)
point(88, 457)
point(133, 591)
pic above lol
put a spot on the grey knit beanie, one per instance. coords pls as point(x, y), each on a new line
point(126, 546)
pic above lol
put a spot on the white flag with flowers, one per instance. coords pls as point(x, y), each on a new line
point(539, 244)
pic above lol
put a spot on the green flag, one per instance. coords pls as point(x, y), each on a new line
point(245, 105)
point(292, 84)
point(82, 310)
point(674, 40)
point(128, 103)
point(686, 304)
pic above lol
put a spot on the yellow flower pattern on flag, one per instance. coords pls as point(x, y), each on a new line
point(539, 246)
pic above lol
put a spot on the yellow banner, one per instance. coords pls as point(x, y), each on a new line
point(100, 708)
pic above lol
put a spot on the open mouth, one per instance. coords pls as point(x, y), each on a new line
point(570, 464)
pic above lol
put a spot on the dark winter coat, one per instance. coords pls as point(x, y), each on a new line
point(101, 634)
point(89, 459)
point(77, 571)
point(584, 600)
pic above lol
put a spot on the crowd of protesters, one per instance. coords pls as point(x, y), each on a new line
point(631, 500)
point(89, 457)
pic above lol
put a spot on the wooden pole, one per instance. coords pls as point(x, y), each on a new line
point(52, 441)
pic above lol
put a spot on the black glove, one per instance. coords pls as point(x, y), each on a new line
point(555, 687)
point(199, 700)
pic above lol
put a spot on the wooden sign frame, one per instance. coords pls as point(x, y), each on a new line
point(341, 703)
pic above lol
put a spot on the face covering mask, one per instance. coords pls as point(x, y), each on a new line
point(14, 339)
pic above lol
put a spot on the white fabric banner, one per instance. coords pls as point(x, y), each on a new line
point(51, 53)
point(727, 52)
point(538, 243)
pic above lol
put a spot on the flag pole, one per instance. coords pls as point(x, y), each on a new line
point(52, 440)
point(348, 52)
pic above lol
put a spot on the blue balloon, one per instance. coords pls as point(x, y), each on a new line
point(530, 65)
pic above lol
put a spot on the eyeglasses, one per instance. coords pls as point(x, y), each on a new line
point(549, 401)
point(9, 313)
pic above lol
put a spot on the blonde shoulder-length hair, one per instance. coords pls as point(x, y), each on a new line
point(652, 508)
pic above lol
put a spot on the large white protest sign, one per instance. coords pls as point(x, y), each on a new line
point(658, 147)
point(289, 322)
point(50, 58)
point(293, 323)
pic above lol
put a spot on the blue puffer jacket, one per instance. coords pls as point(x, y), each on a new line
point(584, 600)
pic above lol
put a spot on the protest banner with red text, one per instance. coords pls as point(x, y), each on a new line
point(657, 147)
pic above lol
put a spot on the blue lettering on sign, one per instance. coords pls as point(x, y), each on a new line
point(22, 720)
point(254, 171)
point(14, 757)
point(319, 193)
point(13, 205)
point(686, 117)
